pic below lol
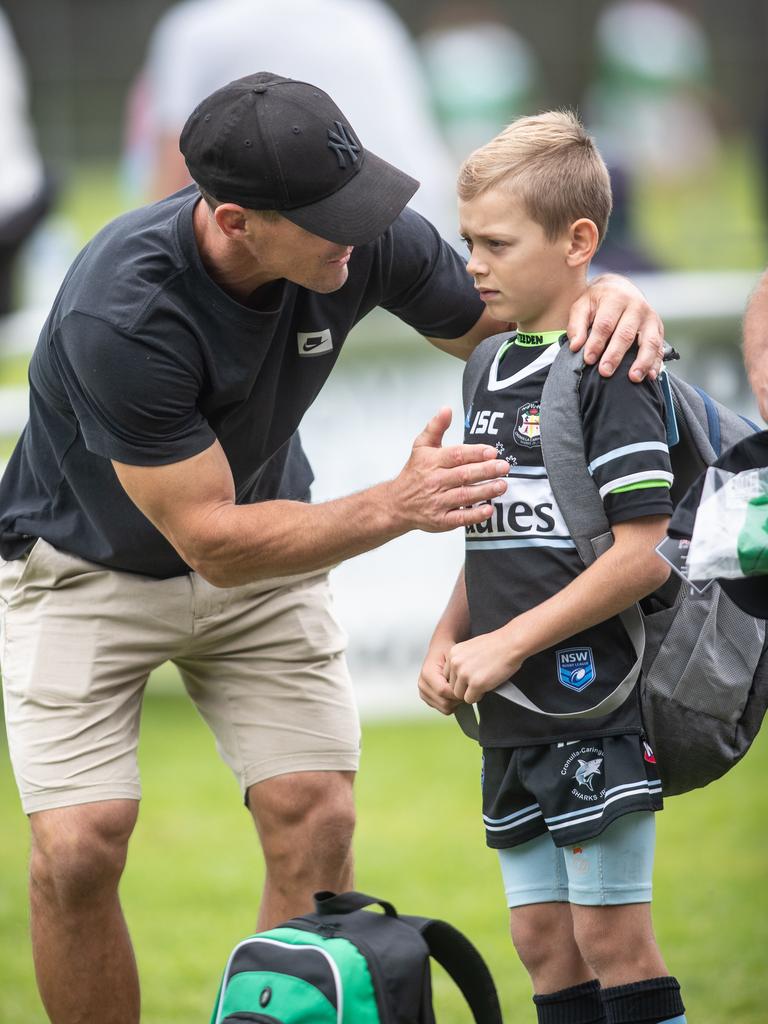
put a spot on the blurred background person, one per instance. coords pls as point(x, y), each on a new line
point(649, 101)
point(25, 191)
point(482, 72)
point(648, 108)
point(357, 50)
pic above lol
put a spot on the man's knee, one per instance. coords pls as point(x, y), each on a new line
point(305, 814)
point(78, 853)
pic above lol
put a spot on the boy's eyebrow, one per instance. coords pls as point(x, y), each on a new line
point(486, 235)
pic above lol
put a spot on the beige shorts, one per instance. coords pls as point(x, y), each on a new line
point(264, 664)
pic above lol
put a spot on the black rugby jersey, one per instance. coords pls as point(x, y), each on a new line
point(524, 554)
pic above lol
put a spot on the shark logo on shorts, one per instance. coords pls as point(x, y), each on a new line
point(584, 766)
point(587, 771)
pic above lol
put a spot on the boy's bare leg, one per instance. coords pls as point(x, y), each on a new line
point(543, 937)
point(85, 967)
point(618, 943)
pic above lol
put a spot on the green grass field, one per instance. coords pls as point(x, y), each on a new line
point(190, 890)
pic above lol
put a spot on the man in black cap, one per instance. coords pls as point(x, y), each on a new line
point(156, 506)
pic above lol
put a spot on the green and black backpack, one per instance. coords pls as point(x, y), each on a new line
point(344, 964)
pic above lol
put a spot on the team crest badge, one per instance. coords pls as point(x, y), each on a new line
point(528, 425)
point(576, 667)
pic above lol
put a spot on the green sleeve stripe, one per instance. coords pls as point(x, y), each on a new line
point(642, 485)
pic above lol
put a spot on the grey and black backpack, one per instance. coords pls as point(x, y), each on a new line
point(345, 964)
point(700, 659)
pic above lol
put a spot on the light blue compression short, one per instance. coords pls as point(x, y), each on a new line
point(614, 868)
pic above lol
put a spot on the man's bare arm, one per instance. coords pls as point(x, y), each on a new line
point(608, 317)
point(756, 343)
point(192, 503)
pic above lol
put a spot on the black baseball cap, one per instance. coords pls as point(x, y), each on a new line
point(272, 143)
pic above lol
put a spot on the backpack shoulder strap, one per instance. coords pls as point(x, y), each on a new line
point(462, 961)
point(562, 446)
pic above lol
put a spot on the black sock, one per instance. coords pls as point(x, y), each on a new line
point(644, 1002)
point(578, 1005)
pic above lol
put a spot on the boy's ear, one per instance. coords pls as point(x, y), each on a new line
point(582, 238)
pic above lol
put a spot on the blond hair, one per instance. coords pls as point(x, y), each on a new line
point(552, 166)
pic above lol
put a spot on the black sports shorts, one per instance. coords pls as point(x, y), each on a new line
point(573, 790)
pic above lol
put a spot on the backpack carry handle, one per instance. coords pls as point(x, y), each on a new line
point(347, 902)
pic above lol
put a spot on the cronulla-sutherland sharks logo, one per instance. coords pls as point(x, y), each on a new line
point(584, 766)
point(587, 771)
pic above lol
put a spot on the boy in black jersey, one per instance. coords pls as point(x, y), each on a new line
point(570, 806)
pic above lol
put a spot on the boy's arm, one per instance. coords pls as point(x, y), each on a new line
point(452, 628)
point(617, 579)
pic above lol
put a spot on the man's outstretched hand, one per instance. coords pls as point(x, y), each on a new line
point(440, 488)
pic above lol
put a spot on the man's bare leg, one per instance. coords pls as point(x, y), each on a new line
point(305, 822)
point(85, 967)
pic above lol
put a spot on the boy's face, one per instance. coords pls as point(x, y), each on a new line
point(521, 275)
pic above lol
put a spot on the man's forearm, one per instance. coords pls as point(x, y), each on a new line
point(756, 343)
point(242, 543)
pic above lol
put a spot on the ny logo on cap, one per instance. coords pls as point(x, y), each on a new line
point(342, 142)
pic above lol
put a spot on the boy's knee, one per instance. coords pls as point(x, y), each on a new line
point(542, 936)
point(617, 939)
point(78, 853)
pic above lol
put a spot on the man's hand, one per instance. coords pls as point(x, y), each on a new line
point(613, 312)
point(474, 667)
point(442, 488)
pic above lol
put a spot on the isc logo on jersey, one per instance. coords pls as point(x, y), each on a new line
point(576, 667)
point(483, 422)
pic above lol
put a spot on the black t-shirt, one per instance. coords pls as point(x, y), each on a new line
point(524, 553)
point(145, 360)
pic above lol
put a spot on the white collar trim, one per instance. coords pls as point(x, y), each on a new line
point(546, 358)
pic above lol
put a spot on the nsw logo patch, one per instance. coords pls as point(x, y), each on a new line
point(314, 343)
point(528, 425)
point(576, 667)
